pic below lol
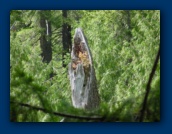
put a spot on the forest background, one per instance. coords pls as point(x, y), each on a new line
point(124, 45)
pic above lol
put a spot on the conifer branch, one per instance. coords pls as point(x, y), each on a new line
point(93, 118)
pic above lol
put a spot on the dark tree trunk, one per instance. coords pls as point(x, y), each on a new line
point(129, 35)
point(45, 39)
point(66, 37)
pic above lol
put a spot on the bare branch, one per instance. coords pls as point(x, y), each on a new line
point(93, 118)
point(142, 112)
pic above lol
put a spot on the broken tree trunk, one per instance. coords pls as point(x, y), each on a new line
point(82, 74)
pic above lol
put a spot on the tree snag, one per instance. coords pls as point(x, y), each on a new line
point(82, 74)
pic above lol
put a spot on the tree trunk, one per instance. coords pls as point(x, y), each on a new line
point(66, 37)
point(129, 35)
point(82, 74)
point(45, 41)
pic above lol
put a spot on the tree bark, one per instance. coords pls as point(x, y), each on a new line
point(82, 74)
point(45, 39)
point(129, 35)
point(66, 37)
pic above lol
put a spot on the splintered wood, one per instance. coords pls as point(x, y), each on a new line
point(82, 74)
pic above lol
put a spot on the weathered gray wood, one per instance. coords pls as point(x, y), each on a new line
point(82, 74)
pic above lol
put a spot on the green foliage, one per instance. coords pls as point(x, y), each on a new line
point(123, 45)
